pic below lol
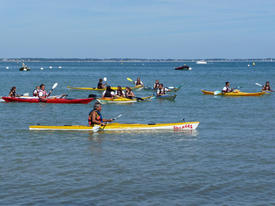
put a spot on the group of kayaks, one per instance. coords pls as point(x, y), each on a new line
point(177, 126)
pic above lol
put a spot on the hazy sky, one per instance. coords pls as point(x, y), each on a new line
point(137, 28)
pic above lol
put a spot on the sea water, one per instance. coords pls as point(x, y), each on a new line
point(228, 160)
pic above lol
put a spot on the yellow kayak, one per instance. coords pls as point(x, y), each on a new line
point(96, 89)
point(122, 127)
point(236, 94)
point(123, 100)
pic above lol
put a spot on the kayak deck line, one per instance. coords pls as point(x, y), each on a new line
point(121, 127)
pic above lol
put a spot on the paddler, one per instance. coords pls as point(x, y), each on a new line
point(42, 94)
point(95, 117)
point(129, 93)
point(35, 92)
point(267, 87)
point(139, 82)
point(13, 92)
point(156, 85)
point(100, 84)
point(227, 88)
point(119, 92)
point(162, 90)
point(108, 92)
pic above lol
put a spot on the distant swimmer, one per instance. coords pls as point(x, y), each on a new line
point(227, 88)
point(162, 90)
point(139, 82)
point(95, 117)
point(108, 92)
point(13, 92)
point(156, 85)
point(267, 87)
point(100, 84)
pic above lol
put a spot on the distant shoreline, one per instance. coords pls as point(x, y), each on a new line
point(129, 60)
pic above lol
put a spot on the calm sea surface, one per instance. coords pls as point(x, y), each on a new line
point(229, 160)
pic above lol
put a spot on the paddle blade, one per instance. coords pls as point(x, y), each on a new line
point(54, 85)
point(117, 117)
point(258, 84)
point(26, 94)
point(105, 79)
point(96, 128)
point(129, 79)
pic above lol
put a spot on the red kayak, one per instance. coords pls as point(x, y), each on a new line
point(49, 100)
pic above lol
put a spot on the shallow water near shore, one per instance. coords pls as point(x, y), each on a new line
point(228, 160)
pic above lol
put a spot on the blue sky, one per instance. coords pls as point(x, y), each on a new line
point(137, 28)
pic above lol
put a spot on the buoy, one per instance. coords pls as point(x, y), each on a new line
point(7, 67)
point(60, 67)
point(248, 65)
point(50, 67)
point(41, 68)
point(190, 68)
point(253, 63)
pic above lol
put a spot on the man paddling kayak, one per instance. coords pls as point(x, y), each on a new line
point(35, 92)
point(119, 92)
point(95, 117)
point(108, 92)
point(267, 87)
point(100, 84)
point(129, 93)
point(139, 82)
point(162, 90)
point(227, 88)
point(156, 85)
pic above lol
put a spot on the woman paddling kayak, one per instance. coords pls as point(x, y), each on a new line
point(267, 87)
point(13, 92)
point(162, 90)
